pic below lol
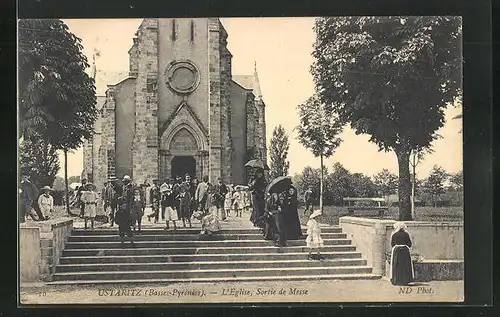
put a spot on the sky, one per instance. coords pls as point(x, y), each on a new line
point(281, 48)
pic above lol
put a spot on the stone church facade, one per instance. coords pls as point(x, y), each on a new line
point(179, 111)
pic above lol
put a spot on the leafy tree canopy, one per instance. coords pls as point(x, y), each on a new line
point(389, 77)
point(57, 97)
point(318, 132)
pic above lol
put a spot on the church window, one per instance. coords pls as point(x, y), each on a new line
point(174, 26)
point(192, 30)
point(151, 85)
point(149, 65)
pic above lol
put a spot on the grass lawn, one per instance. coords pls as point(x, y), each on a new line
point(331, 214)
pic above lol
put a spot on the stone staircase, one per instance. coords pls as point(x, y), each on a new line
point(234, 254)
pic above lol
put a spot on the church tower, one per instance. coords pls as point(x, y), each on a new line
point(180, 110)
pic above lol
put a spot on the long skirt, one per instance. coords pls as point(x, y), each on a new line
point(258, 210)
point(292, 223)
point(401, 265)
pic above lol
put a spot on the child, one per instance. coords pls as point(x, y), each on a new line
point(210, 222)
point(122, 219)
point(314, 240)
point(237, 202)
point(89, 198)
point(137, 209)
point(46, 202)
point(184, 211)
point(170, 208)
point(248, 200)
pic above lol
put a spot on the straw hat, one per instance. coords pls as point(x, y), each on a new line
point(315, 214)
point(47, 188)
point(127, 178)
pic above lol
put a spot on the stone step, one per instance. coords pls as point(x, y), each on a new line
point(168, 236)
point(110, 256)
point(138, 250)
point(195, 230)
point(218, 273)
point(312, 278)
point(194, 244)
point(205, 265)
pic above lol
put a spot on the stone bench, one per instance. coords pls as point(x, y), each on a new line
point(381, 210)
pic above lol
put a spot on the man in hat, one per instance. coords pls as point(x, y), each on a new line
point(27, 195)
point(308, 198)
point(155, 196)
point(220, 196)
point(79, 196)
point(202, 193)
point(128, 190)
point(46, 202)
point(113, 191)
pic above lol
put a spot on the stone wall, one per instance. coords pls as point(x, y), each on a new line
point(225, 106)
point(29, 254)
point(41, 245)
point(432, 241)
point(214, 115)
point(145, 144)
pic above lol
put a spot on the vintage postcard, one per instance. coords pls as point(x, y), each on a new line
point(240, 160)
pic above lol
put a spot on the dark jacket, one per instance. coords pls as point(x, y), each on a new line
point(29, 192)
point(220, 194)
point(401, 238)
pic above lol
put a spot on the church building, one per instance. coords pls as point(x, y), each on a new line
point(180, 110)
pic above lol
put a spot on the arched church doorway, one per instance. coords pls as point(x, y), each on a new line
point(182, 165)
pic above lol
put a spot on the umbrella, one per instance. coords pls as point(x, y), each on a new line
point(257, 164)
point(279, 184)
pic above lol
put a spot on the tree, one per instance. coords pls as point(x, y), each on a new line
point(363, 185)
point(390, 78)
point(457, 181)
point(310, 177)
point(318, 133)
point(279, 152)
point(40, 161)
point(338, 184)
point(434, 185)
point(386, 183)
point(57, 96)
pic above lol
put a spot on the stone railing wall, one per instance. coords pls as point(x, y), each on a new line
point(432, 241)
point(41, 246)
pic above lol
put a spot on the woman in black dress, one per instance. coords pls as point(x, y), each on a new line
point(258, 187)
point(401, 263)
point(291, 215)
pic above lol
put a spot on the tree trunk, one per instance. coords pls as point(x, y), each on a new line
point(66, 180)
point(321, 185)
point(404, 188)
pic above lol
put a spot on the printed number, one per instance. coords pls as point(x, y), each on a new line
point(42, 294)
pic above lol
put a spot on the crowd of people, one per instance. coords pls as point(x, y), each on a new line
point(274, 212)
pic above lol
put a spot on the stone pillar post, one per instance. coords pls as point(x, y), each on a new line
point(145, 143)
point(378, 248)
point(214, 113)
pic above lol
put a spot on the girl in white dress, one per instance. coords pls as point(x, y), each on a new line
point(314, 240)
point(89, 198)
